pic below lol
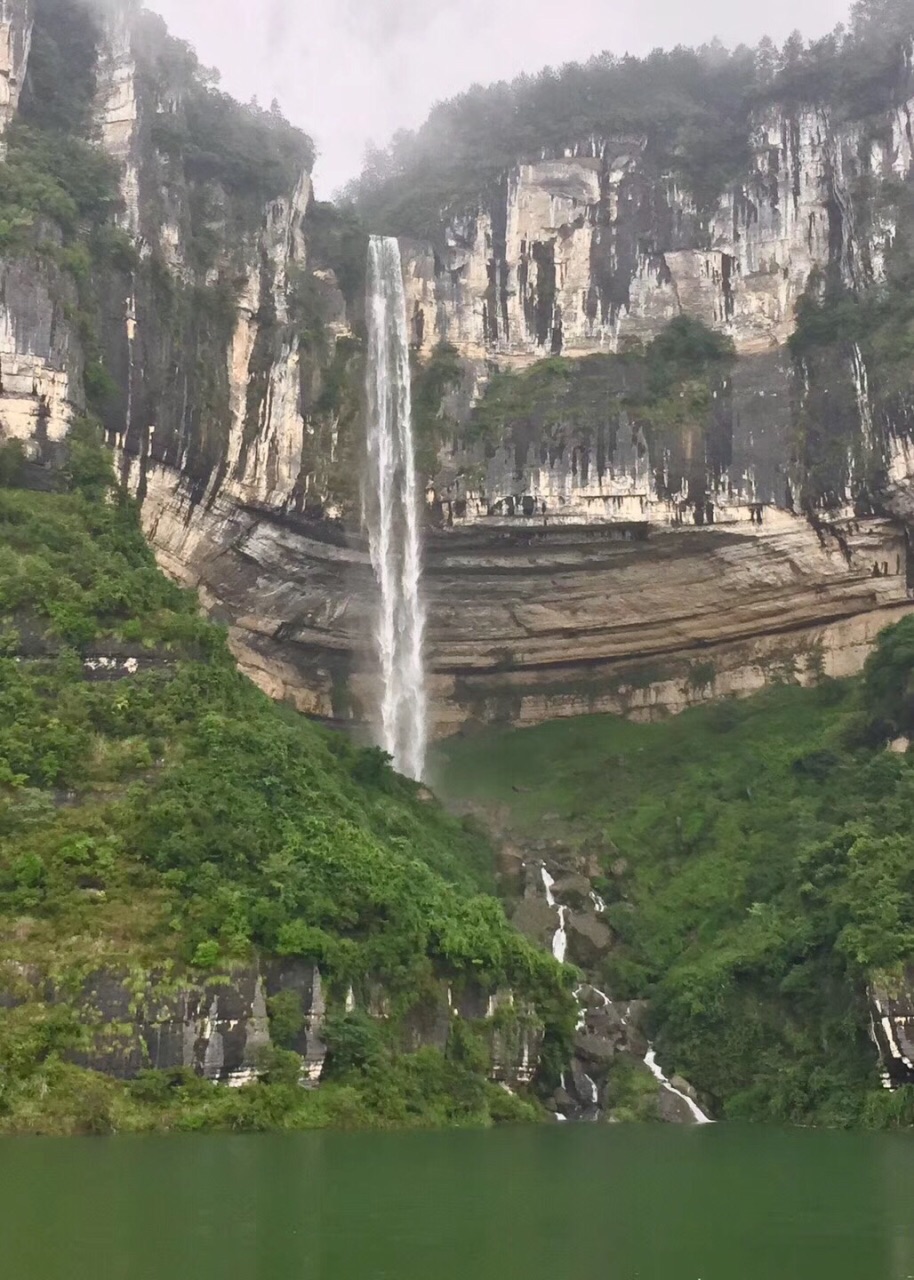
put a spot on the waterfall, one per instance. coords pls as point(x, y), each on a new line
point(390, 502)
point(650, 1061)
point(560, 937)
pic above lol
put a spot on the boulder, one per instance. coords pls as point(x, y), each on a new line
point(536, 920)
point(573, 891)
point(594, 1049)
point(585, 1088)
point(589, 939)
point(673, 1109)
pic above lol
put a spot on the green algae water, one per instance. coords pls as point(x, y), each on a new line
point(572, 1203)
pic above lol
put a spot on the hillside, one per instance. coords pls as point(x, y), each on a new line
point(757, 866)
point(163, 823)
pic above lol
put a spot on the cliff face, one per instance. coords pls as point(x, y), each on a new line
point(581, 555)
point(220, 1028)
point(582, 253)
point(16, 17)
point(581, 562)
point(209, 333)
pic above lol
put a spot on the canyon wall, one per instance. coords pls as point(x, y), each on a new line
point(575, 563)
point(586, 252)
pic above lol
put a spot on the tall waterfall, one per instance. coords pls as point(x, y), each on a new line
point(390, 503)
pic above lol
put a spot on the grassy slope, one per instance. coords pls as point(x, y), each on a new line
point(178, 819)
point(759, 864)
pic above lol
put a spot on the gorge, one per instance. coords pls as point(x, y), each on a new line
point(619, 360)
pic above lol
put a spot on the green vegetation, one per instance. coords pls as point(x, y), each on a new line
point(249, 154)
point(421, 1090)
point(675, 391)
point(758, 865)
point(664, 387)
point(854, 346)
point(431, 382)
point(169, 818)
point(692, 107)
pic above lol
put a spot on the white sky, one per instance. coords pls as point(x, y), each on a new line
point(354, 71)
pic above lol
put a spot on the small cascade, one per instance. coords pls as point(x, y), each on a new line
point(598, 904)
point(548, 882)
point(560, 940)
point(650, 1061)
point(390, 502)
point(582, 1008)
point(560, 937)
point(862, 390)
point(594, 1091)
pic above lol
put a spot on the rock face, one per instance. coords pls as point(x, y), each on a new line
point(580, 253)
point(575, 578)
point(16, 18)
point(610, 1075)
point(219, 1028)
point(892, 1013)
point(567, 573)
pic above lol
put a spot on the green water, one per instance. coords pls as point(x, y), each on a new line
point(579, 1202)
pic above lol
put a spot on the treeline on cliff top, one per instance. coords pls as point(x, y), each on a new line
point(691, 106)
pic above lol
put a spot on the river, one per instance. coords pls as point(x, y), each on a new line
point(576, 1203)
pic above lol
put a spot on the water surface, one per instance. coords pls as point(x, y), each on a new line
point(573, 1203)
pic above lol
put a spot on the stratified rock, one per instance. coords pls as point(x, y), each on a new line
point(566, 579)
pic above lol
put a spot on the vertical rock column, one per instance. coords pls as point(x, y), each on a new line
point(16, 20)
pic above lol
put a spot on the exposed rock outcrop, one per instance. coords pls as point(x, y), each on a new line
point(220, 1027)
point(16, 18)
point(892, 1014)
point(580, 253)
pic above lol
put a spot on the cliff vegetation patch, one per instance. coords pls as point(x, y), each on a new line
point(159, 816)
point(757, 865)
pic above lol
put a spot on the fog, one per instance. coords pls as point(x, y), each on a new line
point(352, 72)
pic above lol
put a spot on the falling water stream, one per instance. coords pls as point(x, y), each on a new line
point(390, 503)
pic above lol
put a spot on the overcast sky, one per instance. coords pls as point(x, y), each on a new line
point(354, 71)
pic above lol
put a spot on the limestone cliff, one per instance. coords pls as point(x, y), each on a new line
point(587, 251)
point(16, 17)
point(578, 561)
point(582, 556)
